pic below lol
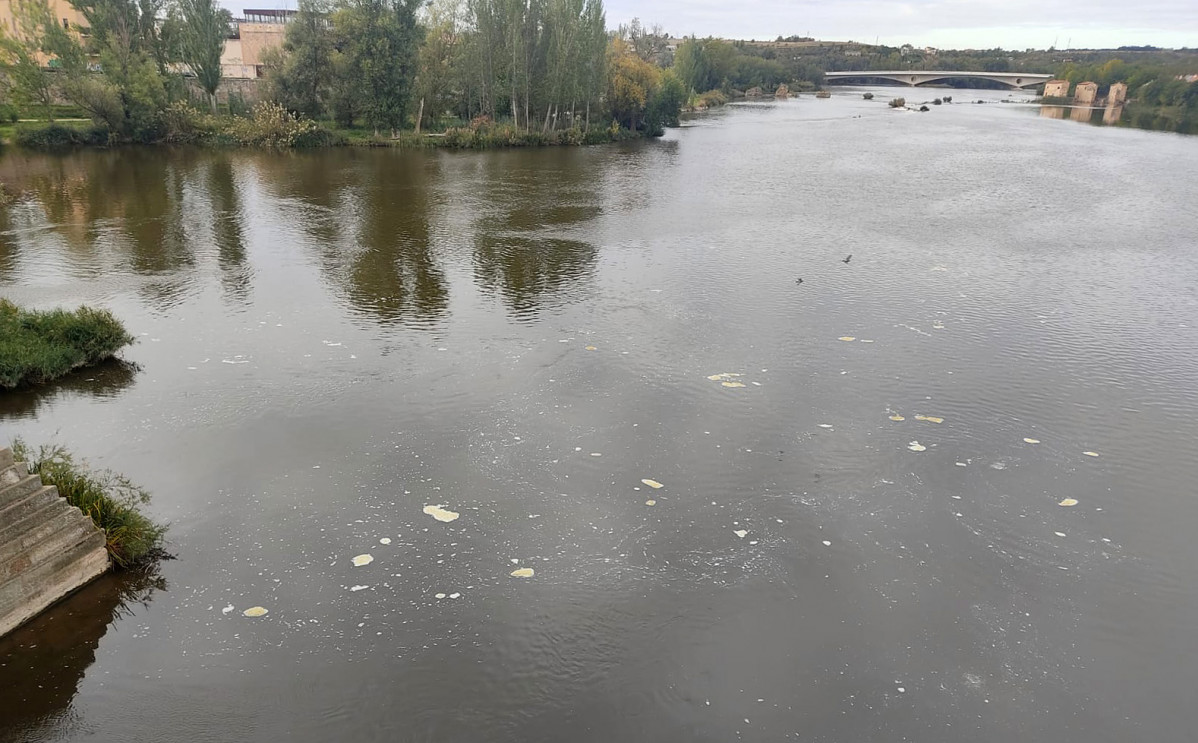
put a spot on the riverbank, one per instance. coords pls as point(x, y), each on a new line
point(75, 134)
point(493, 136)
point(270, 126)
point(112, 501)
point(1177, 119)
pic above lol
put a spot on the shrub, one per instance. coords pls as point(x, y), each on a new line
point(238, 105)
point(868, 96)
point(8, 113)
point(936, 101)
point(898, 103)
point(38, 347)
point(57, 136)
point(507, 135)
point(111, 500)
point(574, 136)
point(459, 137)
point(186, 124)
point(597, 136)
point(665, 103)
point(272, 125)
point(710, 99)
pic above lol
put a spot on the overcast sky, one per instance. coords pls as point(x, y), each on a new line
point(959, 24)
point(1011, 24)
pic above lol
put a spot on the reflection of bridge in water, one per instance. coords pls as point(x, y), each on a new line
point(1014, 80)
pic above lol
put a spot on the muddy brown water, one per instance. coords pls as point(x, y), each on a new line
point(328, 342)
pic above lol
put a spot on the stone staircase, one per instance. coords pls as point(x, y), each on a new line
point(48, 548)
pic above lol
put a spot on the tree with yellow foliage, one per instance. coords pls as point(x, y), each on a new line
point(630, 82)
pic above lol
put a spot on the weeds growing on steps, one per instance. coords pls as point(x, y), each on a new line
point(112, 501)
point(39, 347)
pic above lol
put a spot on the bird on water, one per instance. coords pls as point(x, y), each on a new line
point(799, 280)
point(848, 258)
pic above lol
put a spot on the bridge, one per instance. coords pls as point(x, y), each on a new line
point(1014, 80)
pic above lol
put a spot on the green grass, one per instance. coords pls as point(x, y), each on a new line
point(59, 135)
point(38, 347)
point(65, 115)
point(11, 132)
point(111, 500)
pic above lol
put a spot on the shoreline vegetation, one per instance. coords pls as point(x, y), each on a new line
point(41, 346)
point(112, 501)
point(483, 73)
point(462, 74)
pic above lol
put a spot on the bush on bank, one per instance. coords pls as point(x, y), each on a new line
point(710, 99)
point(59, 136)
point(111, 500)
point(271, 126)
point(485, 135)
point(37, 347)
point(268, 125)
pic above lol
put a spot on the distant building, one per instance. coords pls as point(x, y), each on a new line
point(1085, 93)
point(62, 11)
point(1117, 94)
point(1056, 89)
point(1188, 78)
point(258, 32)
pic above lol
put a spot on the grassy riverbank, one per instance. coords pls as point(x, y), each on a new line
point(111, 500)
point(270, 126)
point(488, 136)
point(38, 347)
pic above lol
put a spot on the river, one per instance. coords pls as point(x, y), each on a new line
point(329, 342)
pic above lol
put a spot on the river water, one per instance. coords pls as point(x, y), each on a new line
point(329, 342)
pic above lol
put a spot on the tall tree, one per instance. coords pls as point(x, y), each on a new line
point(21, 55)
point(380, 39)
point(300, 73)
point(439, 59)
point(202, 30)
point(705, 64)
point(631, 81)
point(132, 94)
point(650, 44)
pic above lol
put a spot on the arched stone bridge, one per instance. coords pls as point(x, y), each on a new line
point(916, 77)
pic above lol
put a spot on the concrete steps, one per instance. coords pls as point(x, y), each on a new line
point(11, 527)
point(48, 548)
point(18, 491)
